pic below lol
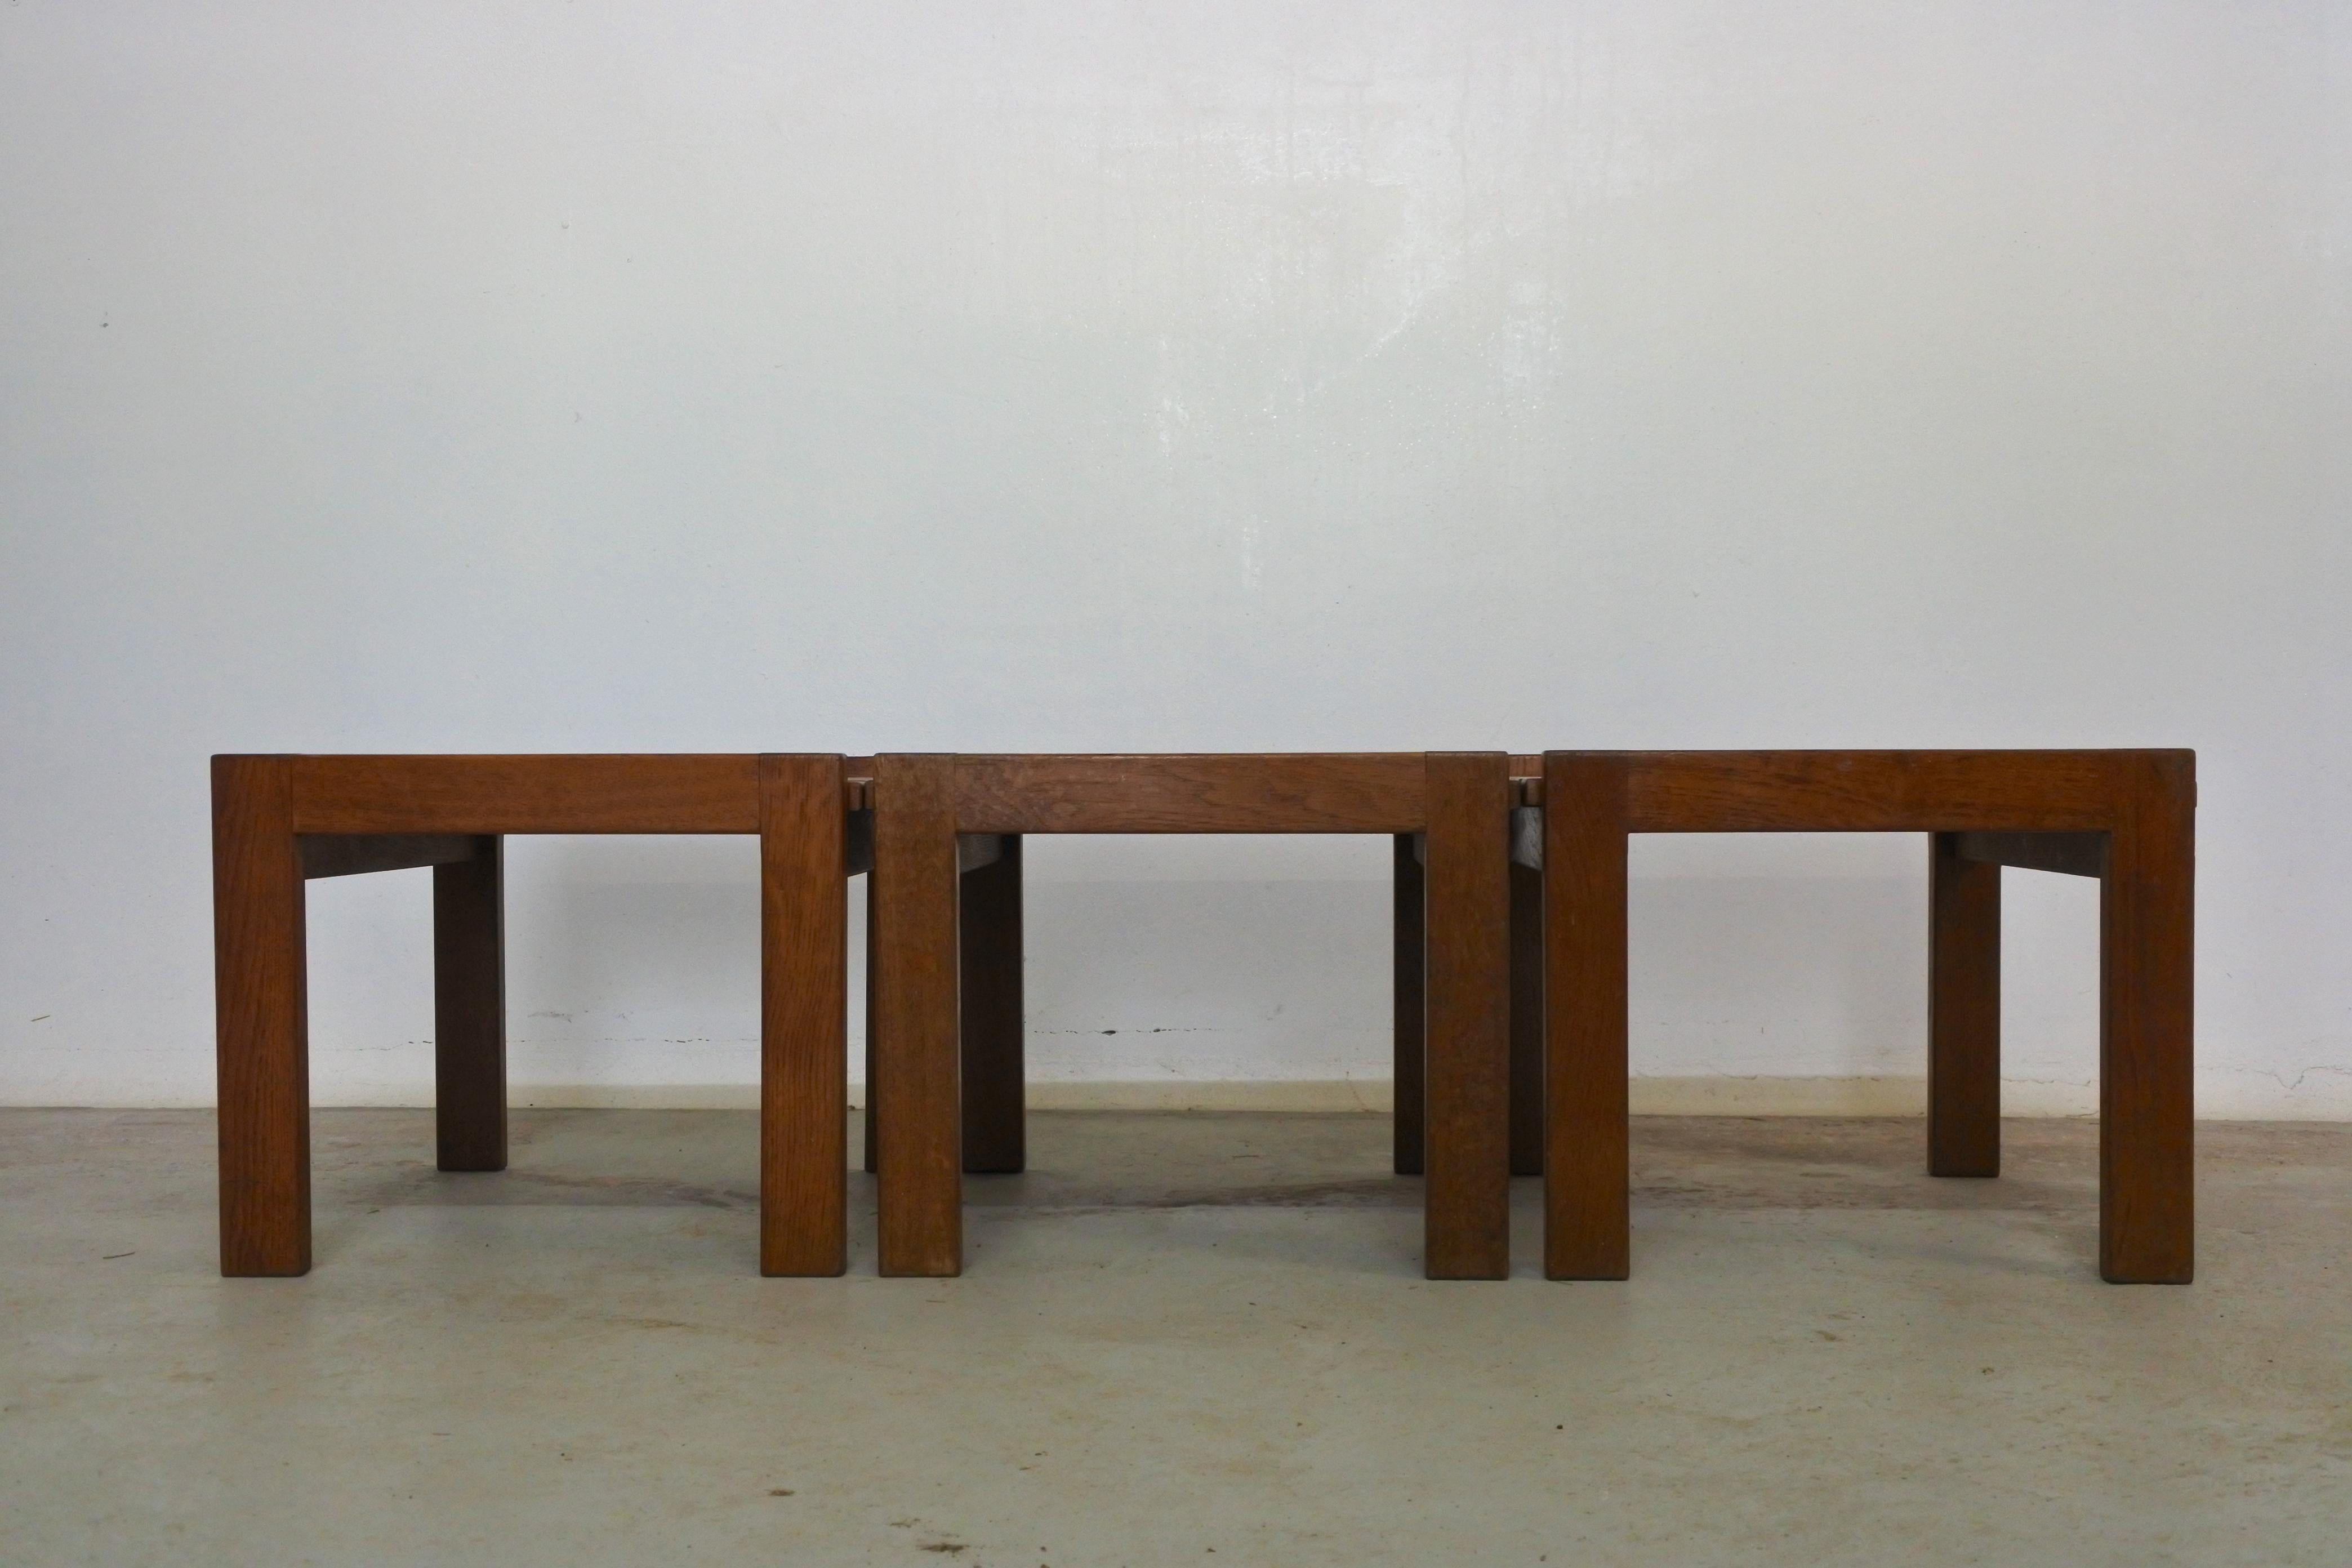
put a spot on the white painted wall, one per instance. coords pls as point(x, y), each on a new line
point(612, 376)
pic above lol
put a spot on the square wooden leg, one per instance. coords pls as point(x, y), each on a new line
point(2147, 1026)
point(1468, 1062)
point(804, 1016)
point(469, 1010)
point(872, 1029)
point(1411, 962)
point(1526, 1020)
point(1587, 1230)
point(261, 1008)
point(1963, 1012)
point(918, 1050)
point(994, 1027)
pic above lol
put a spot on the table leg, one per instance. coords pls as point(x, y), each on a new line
point(2147, 1026)
point(1588, 1232)
point(1963, 1012)
point(1468, 1197)
point(803, 1018)
point(918, 1051)
point(1526, 1020)
point(261, 1012)
point(872, 1029)
point(993, 1025)
point(1411, 959)
point(469, 1010)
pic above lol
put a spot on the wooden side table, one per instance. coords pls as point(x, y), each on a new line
point(2127, 818)
point(948, 1089)
point(278, 820)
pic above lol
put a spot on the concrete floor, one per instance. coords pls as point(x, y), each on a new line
point(1182, 1340)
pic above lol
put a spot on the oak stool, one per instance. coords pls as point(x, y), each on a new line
point(2127, 818)
point(278, 820)
point(945, 1079)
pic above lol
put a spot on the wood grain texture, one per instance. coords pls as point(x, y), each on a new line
point(356, 854)
point(1867, 792)
point(261, 1012)
point(873, 1019)
point(2128, 816)
point(1410, 961)
point(918, 1050)
point(1963, 1012)
point(1588, 1232)
point(470, 1009)
point(484, 794)
point(1304, 793)
point(2069, 854)
point(2147, 1026)
point(804, 1016)
point(1467, 1085)
point(994, 1026)
point(1527, 1018)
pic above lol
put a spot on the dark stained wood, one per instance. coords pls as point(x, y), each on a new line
point(2128, 816)
point(994, 1025)
point(1866, 791)
point(1466, 1089)
point(804, 1016)
point(354, 855)
point(261, 1010)
point(283, 816)
point(2070, 854)
point(1588, 1229)
point(481, 794)
point(918, 1050)
point(470, 1009)
point(1261, 793)
point(2147, 1023)
point(1527, 1019)
point(873, 1028)
point(1409, 962)
point(1306, 793)
point(1963, 1011)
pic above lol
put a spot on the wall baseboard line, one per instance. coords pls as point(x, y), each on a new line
point(2221, 1096)
point(1711, 1095)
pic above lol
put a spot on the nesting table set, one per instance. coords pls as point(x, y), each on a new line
point(1510, 898)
